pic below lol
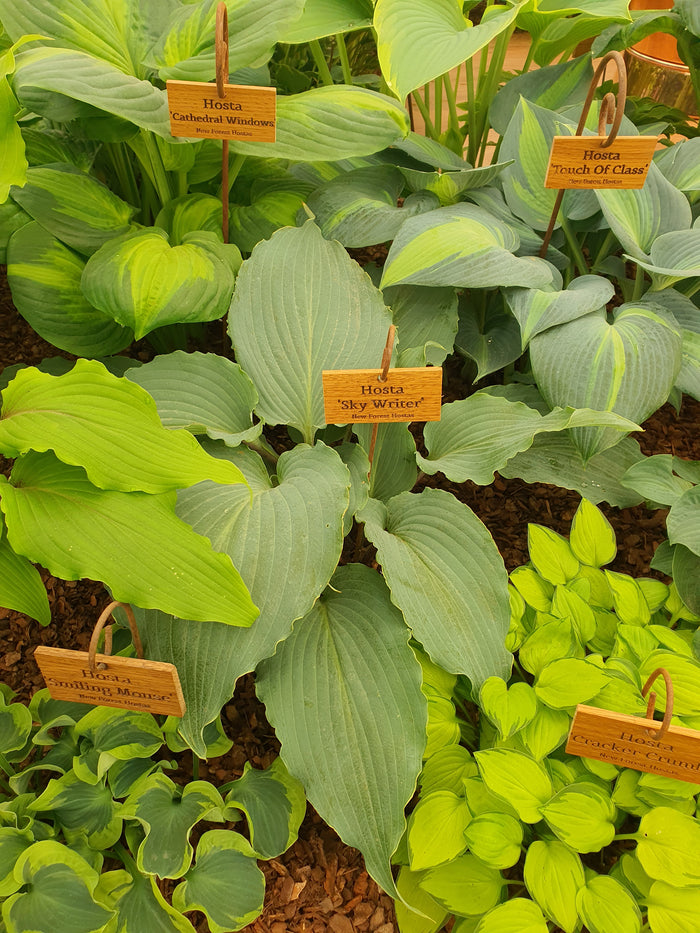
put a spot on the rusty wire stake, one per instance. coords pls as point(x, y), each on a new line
point(668, 712)
point(222, 67)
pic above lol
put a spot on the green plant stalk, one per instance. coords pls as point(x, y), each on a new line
point(487, 92)
point(158, 175)
point(344, 58)
point(266, 454)
point(127, 861)
point(437, 104)
point(181, 183)
point(125, 174)
point(234, 170)
point(604, 249)
point(321, 63)
point(6, 766)
point(638, 284)
point(691, 290)
point(530, 55)
point(576, 252)
point(451, 94)
point(471, 113)
point(425, 113)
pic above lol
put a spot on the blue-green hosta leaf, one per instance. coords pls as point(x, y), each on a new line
point(686, 576)
point(82, 808)
point(582, 816)
point(58, 83)
point(139, 905)
point(553, 875)
point(637, 216)
point(58, 893)
point(331, 123)
point(225, 882)
point(680, 164)
point(688, 318)
point(465, 886)
point(426, 320)
point(105, 424)
point(448, 186)
point(274, 205)
point(302, 305)
point(478, 435)
point(461, 245)
point(131, 541)
point(21, 587)
point(357, 462)
point(606, 906)
point(669, 846)
point(44, 276)
point(447, 577)
point(143, 282)
point(394, 467)
point(79, 210)
point(655, 479)
point(359, 208)
point(674, 256)
point(436, 829)
point(274, 804)
point(491, 338)
point(628, 366)
point(286, 542)
point(323, 18)
point(429, 152)
point(418, 40)
point(168, 813)
point(203, 393)
point(185, 50)
point(673, 909)
point(537, 310)
point(343, 692)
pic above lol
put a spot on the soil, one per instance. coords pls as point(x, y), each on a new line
point(320, 884)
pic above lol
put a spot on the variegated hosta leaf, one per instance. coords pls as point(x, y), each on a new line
point(13, 163)
point(167, 813)
point(394, 465)
point(107, 735)
point(637, 216)
point(12, 218)
point(537, 310)
point(490, 338)
point(656, 480)
point(21, 587)
point(57, 83)
point(627, 366)
point(144, 283)
point(189, 213)
point(132, 541)
point(359, 208)
point(203, 393)
point(81, 808)
point(286, 543)
point(448, 186)
point(604, 8)
point(225, 882)
point(331, 123)
point(105, 424)
point(680, 164)
point(274, 804)
point(673, 256)
point(424, 150)
point(426, 322)
point(73, 206)
point(687, 316)
point(478, 435)
point(683, 524)
point(275, 203)
point(323, 18)
point(139, 905)
point(418, 40)
point(44, 276)
point(185, 50)
point(301, 305)
point(447, 577)
point(462, 245)
point(343, 693)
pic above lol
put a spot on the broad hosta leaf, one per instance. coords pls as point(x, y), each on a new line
point(426, 320)
point(13, 843)
point(654, 478)
point(672, 909)
point(12, 218)
point(447, 577)
point(592, 537)
point(582, 815)
point(553, 875)
point(418, 40)
point(496, 839)
point(461, 245)
point(537, 310)
point(669, 847)
point(674, 256)
point(606, 906)
point(628, 366)
point(686, 575)
point(436, 829)
point(465, 885)
point(44, 276)
point(203, 393)
point(394, 467)
point(686, 314)
point(286, 543)
point(15, 727)
point(478, 435)
point(331, 123)
point(274, 203)
point(328, 18)
point(105, 424)
point(139, 905)
point(569, 681)
point(605, 8)
point(518, 914)
point(21, 587)
point(73, 206)
point(683, 520)
point(491, 339)
point(343, 693)
point(144, 283)
point(82, 808)
point(448, 186)
point(225, 882)
point(131, 541)
point(301, 306)
point(680, 164)
point(432, 915)
point(188, 213)
point(13, 162)
point(518, 779)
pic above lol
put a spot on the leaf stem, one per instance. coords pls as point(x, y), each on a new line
point(576, 252)
point(624, 836)
point(604, 249)
point(321, 63)
point(158, 174)
point(638, 284)
point(344, 58)
point(126, 860)
point(425, 113)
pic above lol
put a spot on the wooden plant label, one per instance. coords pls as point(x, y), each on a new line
point(128, 683)
point(246, 113)
point(358, 395)
point(626, 741)
point(582, 162)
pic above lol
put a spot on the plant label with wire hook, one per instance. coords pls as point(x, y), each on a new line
point(361, 396)
point(243, 112)
point(583, 162)
point(634, 742)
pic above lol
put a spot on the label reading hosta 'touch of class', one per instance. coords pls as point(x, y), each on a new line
point(360, 396)
point(583, 162)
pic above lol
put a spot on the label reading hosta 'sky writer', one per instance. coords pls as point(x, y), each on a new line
point(360, 396)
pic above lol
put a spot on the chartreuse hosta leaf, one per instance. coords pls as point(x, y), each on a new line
point(672, 909)
point(82, 808)
point(73, 206)
point(447, 577)
point(669, 846)
point(203, 393)
point(436, 829)
point(274, 804)
point(551, 555)
point(519, 913)
point(188, 213)
point(286, 542)
point(508, 708)
point(495, 838)
point(567, 681)
point(627, 366)
point(132, 541)
point(606, 906)
point(225, 882)
point(58, 893)
point(21, 587)
point(592, 537)
point(432, 915)
point(301, 305)
point(328, 18)
point(144, 283)
point(465, 886)
point(168, 813)
point(343, 692)
point(418, 40)
point(685, 675)
point(446, 769)
point(478, 435)
point(518, 779)
point(138, 904)
point(13, 161)
point(582, 816)
point(105, 424)
point(554, 874)
point(44, 276)
point(462, 245)
point(617, 8)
